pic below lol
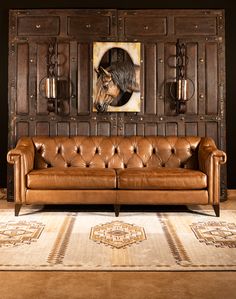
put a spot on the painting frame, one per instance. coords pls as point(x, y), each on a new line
point(133, 50)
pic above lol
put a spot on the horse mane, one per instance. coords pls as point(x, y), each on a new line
point(123, 75)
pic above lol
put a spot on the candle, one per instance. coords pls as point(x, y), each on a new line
point(53, 88)
point(47, 88)
point(184, 89)
point(179, 89)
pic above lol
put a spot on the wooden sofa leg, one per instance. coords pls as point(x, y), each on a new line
point(217, 210)
point(17, 209)
point(117, 210)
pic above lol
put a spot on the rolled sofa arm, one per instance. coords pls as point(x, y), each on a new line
point(22, 157)
point(210, 158)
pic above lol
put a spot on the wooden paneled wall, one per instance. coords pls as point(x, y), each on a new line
point(202, 31)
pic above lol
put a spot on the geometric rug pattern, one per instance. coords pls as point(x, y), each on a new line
point(117, 234)
point(14, 233)
point(99, 241)
point(216, 233)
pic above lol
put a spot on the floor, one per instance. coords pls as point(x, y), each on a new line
point(117, 285)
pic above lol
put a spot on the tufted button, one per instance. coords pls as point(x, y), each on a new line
point(163, 164)
point(68, 164)
point(97, 150)
point(135, 150)
point(154, 151)
point(59, 150)
point(173, 150)
point(49, 165)
point(116, 150)
point(78, 150)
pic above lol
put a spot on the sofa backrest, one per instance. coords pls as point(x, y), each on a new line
point(116, 152)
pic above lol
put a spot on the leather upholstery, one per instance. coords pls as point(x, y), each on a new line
point(161, 178)
point(135, 169)
point(116, 152)
point(72, 178)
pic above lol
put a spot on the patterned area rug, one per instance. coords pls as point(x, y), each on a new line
point(171, 241)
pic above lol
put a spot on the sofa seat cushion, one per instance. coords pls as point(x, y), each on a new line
point(161, 178)
point(72, 178)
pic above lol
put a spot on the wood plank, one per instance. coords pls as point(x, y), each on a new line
point(191, 75)
point(42, 128)
point(22, 105)
point(22, 129)
point(41, 101)
point(211, 78)
point(150, 78)
point(83, 85)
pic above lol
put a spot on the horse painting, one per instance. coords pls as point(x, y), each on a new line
point(115, 84)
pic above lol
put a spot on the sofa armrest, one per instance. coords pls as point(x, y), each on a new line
point(22, 157)
point(210, 158)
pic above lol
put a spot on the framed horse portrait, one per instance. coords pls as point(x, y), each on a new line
point(116, 77)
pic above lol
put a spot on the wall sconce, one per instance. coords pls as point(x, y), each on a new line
point(179, 89)
point(51, 80)
point(56, 89)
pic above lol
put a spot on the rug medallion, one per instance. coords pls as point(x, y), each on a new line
point(14, 233)
point(117, 234)
point(216, 233)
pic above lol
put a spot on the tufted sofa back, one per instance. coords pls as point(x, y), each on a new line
point(116, 152)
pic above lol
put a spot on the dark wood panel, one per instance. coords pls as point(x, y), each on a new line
point(191, 128)
point(195, 25)
point(104, 128)
point(36, 25)
point(143, 26)
point(172, 129)
point(41, 101)
point(53, 127)
point(84, 128)
point(74, 74)
point(83, 85)
point(150, 78)
point(130, 129)
point(192, 76)
point(150, 129)
point(89, 25)
point(170, 77)
point(212, 131)
point(161, 129)
point(212, 78)
point(22, 105)
point(63, 73)
point(200, 88)
point(160, 79)
point(42, 128)
point(63, 128)
point(22, 129)
point(140, 129)
point(202, 129)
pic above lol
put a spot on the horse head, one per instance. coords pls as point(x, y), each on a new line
point(112, 82)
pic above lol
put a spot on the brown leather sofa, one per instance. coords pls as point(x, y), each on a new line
point(116, 170)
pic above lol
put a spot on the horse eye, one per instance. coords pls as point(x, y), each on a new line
point(105, 86)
